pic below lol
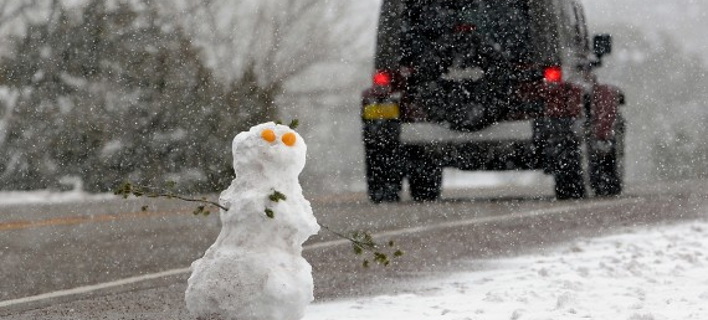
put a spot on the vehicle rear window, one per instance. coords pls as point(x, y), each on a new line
point(503, 23)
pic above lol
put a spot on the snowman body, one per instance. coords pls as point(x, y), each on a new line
point(255, 269)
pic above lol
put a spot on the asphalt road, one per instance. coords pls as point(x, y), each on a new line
point(112, 260)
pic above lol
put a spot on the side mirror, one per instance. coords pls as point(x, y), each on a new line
point(602, 44)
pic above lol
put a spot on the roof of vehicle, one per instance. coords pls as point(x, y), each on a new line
point(546, 17)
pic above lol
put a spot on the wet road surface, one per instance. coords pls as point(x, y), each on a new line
point(128, 263)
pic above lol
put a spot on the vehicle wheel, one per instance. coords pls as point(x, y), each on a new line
point(425, 180)
point(604, 176)
point(384, 164)
point(606, 167)
point(384, 180)
point(568, 173)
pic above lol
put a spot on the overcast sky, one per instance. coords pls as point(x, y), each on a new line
point(685, 20)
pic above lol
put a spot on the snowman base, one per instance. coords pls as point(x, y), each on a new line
point(222, 286)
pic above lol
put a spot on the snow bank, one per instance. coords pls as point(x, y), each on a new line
point(644, 274)
point(49, 196)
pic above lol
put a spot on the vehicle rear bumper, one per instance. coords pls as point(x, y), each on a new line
point(426, 132)
point(479, 155)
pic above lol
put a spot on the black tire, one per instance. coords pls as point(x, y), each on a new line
point(568, 172)
point(383, 180)
point(425, 179)
point(384, 164)
point(606, 167)
point(605, 178)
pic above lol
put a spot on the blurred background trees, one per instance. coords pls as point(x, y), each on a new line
point(667, 91)
point(304, 59)
point(114, 92)
point(154, 91)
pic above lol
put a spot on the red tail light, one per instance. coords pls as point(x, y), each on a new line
point(465, 28)
point(553, 74)
point(382, 78)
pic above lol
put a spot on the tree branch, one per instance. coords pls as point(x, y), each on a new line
point(127, 189)
point(361, 241)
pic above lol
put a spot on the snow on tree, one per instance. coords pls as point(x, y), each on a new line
point(255, 269)
point(262, 57)
point(113, 91)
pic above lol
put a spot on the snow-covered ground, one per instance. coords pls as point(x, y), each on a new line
point(643, 274)
point(49, 196)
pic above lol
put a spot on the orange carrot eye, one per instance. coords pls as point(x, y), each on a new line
point(268, 135)
point(289, 139)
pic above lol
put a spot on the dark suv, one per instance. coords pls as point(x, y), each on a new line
point(489, 85)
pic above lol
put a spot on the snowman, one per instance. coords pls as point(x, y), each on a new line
point(255, 269)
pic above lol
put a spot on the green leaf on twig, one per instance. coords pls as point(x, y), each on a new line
point(277, 196)
point(269, 213)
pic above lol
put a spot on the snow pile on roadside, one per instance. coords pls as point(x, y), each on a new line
point(644, 274)
point(49, 196)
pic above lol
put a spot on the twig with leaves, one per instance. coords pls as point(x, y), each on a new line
point(127, 189)
point(361, 241)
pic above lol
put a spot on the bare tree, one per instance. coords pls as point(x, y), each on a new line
point(308, 59)
point(262, 45)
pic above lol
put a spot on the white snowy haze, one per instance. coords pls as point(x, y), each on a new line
point(660, 60)
point(315, 57)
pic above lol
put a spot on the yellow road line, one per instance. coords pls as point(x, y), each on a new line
point(81, 219)
point(75, 220)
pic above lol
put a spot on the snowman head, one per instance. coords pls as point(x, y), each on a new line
point(269, 149)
